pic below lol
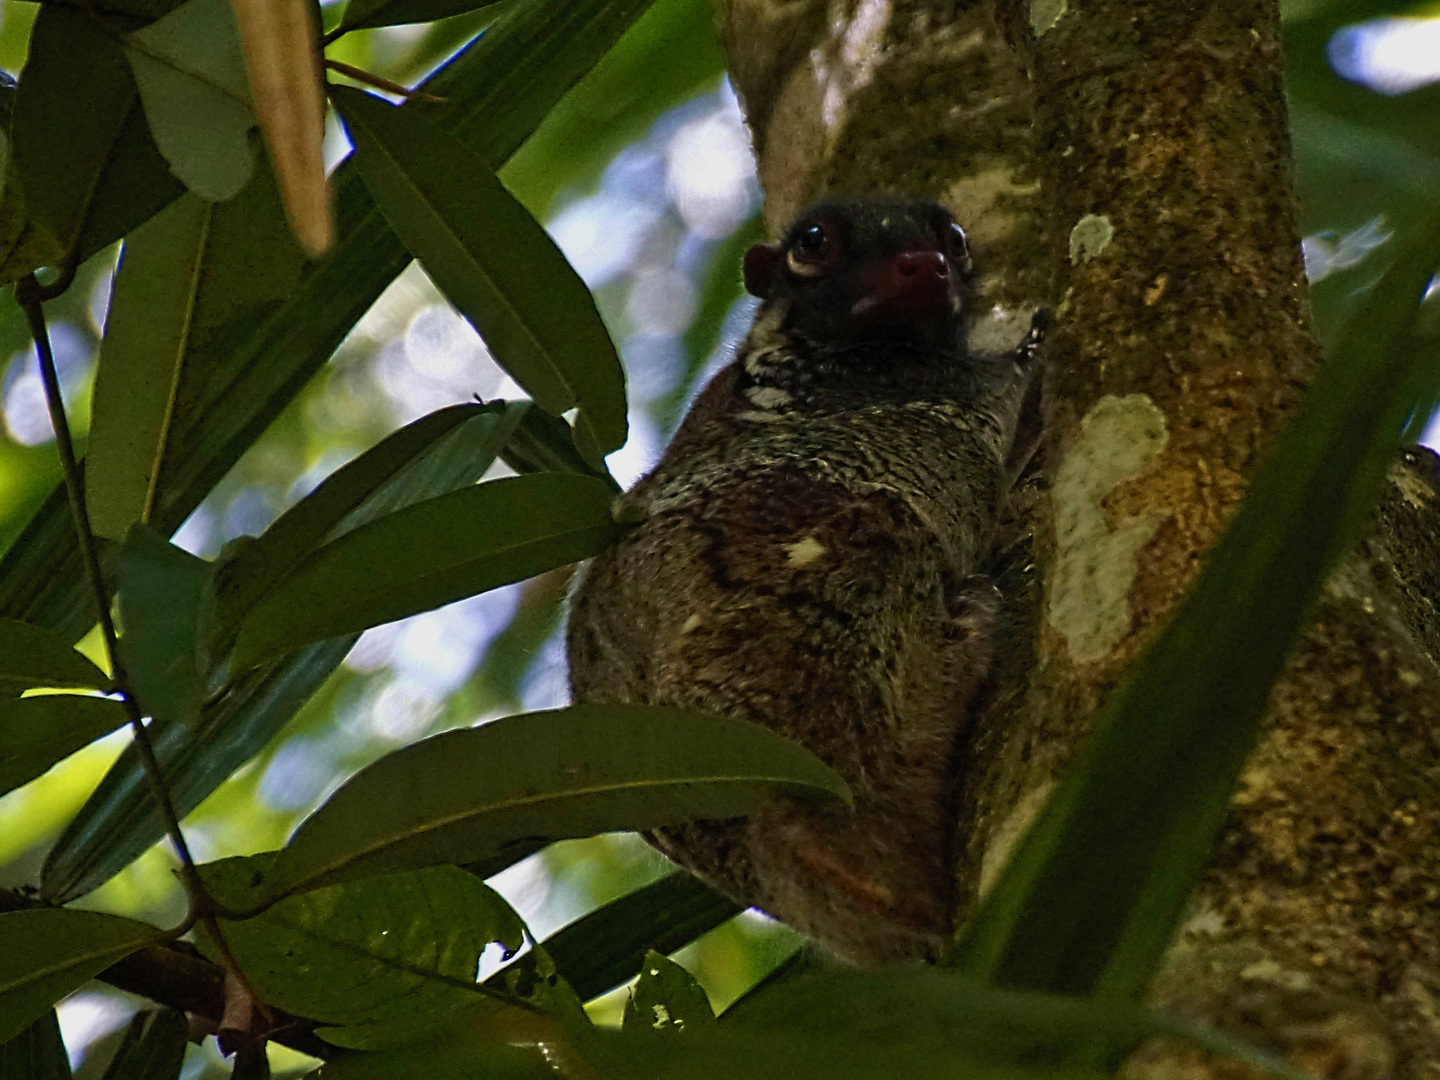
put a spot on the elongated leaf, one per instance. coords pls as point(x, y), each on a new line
point(400, 951)
point(147, 334)
point(937, 1024)
point(607, 947)
point(32, 657)
point(37, 1053)
point(433, 553)
point(86, 167)
point(519, 1002)
point(190, 69)
point(184, 280)
point(38, 732)
point(671, 54)
point(119, 822)
point(800, 1055)
point(776, 981)
point(167, 601)
point(362, 13)
point(46, 954)
point(666, 1000)
point(1092, 894)
point(75, 82)
point(153, 1047)
point(258, 567)
point(498, 90)
point(494, 262)
point(282, 58)
point(557, 774)
point(545, 443)
point(459, 1057)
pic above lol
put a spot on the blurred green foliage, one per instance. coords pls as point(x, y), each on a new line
point(667, 287)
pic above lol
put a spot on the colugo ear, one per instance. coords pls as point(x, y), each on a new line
point(761, 263)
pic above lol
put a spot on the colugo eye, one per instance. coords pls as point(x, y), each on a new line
point(959, 246)
point(812, 251)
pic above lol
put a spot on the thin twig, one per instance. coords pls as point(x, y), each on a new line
point(360, 75)
point(30, 294)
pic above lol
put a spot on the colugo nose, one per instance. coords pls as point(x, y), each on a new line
point(921, 264)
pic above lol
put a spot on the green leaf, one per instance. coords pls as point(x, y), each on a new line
point(928, 1023)
point(135, 185)
point(190, 68)
point(37, 1053)
point(666, 1000)
point(85, 168)
point(431, 554)
point(330, 509)
point(494, 262)
point(498, 89)
point(119, 822)
point(46, 954)
point(147, 336)
point(799, 1055)
point(545, 443)
point(399, 954)
point(776, 981)
point(185, 278)
point(671, 54)
point(540, 985)
point(31, 657)
point(607, 947)
point(167, 602)
point(461, 1056)
point(38, 732)
point(74, 94)
point(571, 772)
point(939, 1011)
point(152, 1048)
point(360, 14)
point(1092, 894)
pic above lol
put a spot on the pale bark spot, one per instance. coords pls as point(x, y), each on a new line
point(768, 397)
point(1412, 487)
point(1091, 235)
point(1044, 14)
point(804, 552)
point(1015, 825)
point(983, 202)
point(1096, 565)
point(1269, 971)
point(849, 61)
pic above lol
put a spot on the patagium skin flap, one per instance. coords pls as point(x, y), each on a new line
point(812, 558)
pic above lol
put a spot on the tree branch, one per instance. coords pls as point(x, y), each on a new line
point(174, 974)
point(1132, 164)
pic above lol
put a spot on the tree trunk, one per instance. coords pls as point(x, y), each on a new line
point(1129, 165)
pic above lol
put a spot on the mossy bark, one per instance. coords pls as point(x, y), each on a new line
point(1128, 164)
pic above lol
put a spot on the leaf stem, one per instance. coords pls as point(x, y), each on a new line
point(30, 295)
point(367, 78)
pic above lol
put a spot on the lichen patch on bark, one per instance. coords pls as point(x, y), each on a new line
point(1091, 235)
point(1016, 824)
point(1044, 14)
point(1119, 439)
